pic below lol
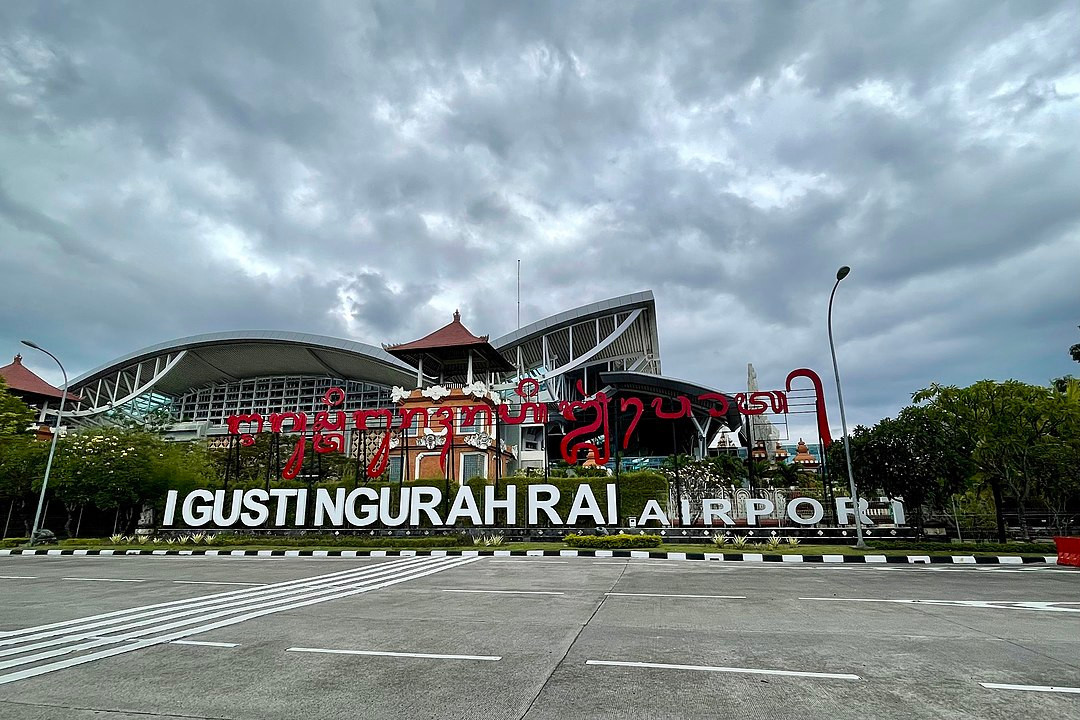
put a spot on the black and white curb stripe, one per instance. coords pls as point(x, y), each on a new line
point(643, 554)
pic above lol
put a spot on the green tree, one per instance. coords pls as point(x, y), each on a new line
point(122, 469)
point(15, 415)
point(22, 465)
point(920, 457)
point(1008, 426)
point(784, 474)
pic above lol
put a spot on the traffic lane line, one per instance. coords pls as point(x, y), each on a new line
point(666, 595)
point(1032, 688)
point(120, 580)
point(431, 656)
point(722, 669)
point(504, 592)
point(205, 643)
point(217, 582)
point(1039, 605)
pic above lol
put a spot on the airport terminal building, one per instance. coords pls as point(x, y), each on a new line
point(192, 385)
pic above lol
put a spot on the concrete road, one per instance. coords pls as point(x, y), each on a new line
point(263, 638)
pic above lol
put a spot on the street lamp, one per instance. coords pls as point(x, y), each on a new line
point(840, 275)
point(56, 434)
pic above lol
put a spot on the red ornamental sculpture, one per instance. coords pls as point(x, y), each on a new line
point(330, 425)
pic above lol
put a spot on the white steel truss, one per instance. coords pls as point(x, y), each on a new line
point(120, 387)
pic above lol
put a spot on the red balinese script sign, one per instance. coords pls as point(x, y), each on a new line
point(593, 436)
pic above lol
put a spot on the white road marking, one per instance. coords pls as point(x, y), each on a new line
point(490, 658)
point(239, 599)
point(312, 591)
point(18, 577)
point(711, 668)
point(214, 599)
point(204, 643)
point(103, 579)
point(1032, 688)
point(1051, 606)
point(509, 592)
point(215, 582)
point(525, 561)
point(664, 595)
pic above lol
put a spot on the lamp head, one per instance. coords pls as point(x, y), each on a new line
point(30, 343)
point(842, 273)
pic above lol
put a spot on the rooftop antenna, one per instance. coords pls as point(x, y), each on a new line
point(519, 294)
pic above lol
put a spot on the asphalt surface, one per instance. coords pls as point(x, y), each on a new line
point(532, 638)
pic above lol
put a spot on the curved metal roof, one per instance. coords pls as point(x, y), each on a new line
point(567, 318)
point(229, 356)
point(617, 328)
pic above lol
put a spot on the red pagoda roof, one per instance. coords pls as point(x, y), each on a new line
point(453, 334)
point(21, 379)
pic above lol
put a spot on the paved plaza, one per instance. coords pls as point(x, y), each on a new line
point(430, 637)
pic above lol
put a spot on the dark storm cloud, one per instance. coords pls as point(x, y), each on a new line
point(364, 169)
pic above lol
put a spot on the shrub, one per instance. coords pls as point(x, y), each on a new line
point(773, 543)
point(740, 541)
point(612, 542)
point(492, 540)
point(930, 546)
point(793, 541)
point(719, 540)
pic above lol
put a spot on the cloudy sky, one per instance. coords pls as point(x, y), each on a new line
point(362, 169)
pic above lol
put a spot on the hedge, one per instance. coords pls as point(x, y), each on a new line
point(613, 542)
point(1013, 547)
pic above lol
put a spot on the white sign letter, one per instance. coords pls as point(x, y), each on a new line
point(219, 508)
point(425, 499)
point(170, 507)
point(845, 515)
point(817, 511)
point(716, 508)
point(464, 505)
point(547, 505)
point(331, 509)
point(758, 507)
point(652, 511)
point(188, 513)
point(509, 505)
point(371, 512)
point(584, 504)
point(255, 507)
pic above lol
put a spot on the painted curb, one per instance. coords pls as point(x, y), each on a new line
point(639, 554)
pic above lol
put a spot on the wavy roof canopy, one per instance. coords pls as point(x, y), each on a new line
point(202, 360)
point(623, 326)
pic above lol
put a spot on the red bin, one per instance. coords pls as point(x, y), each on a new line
point(1068, 549)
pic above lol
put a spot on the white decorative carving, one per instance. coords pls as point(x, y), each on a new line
point(479, 440)
point(397, 394)
point(477, 389)
point(435, 392)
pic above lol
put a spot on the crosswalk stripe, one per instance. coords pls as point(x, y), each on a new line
point(59, 628)
point(402, 572)
point(313, 588)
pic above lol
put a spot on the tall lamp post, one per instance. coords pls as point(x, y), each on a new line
point(840, 275)
point(52, 446)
